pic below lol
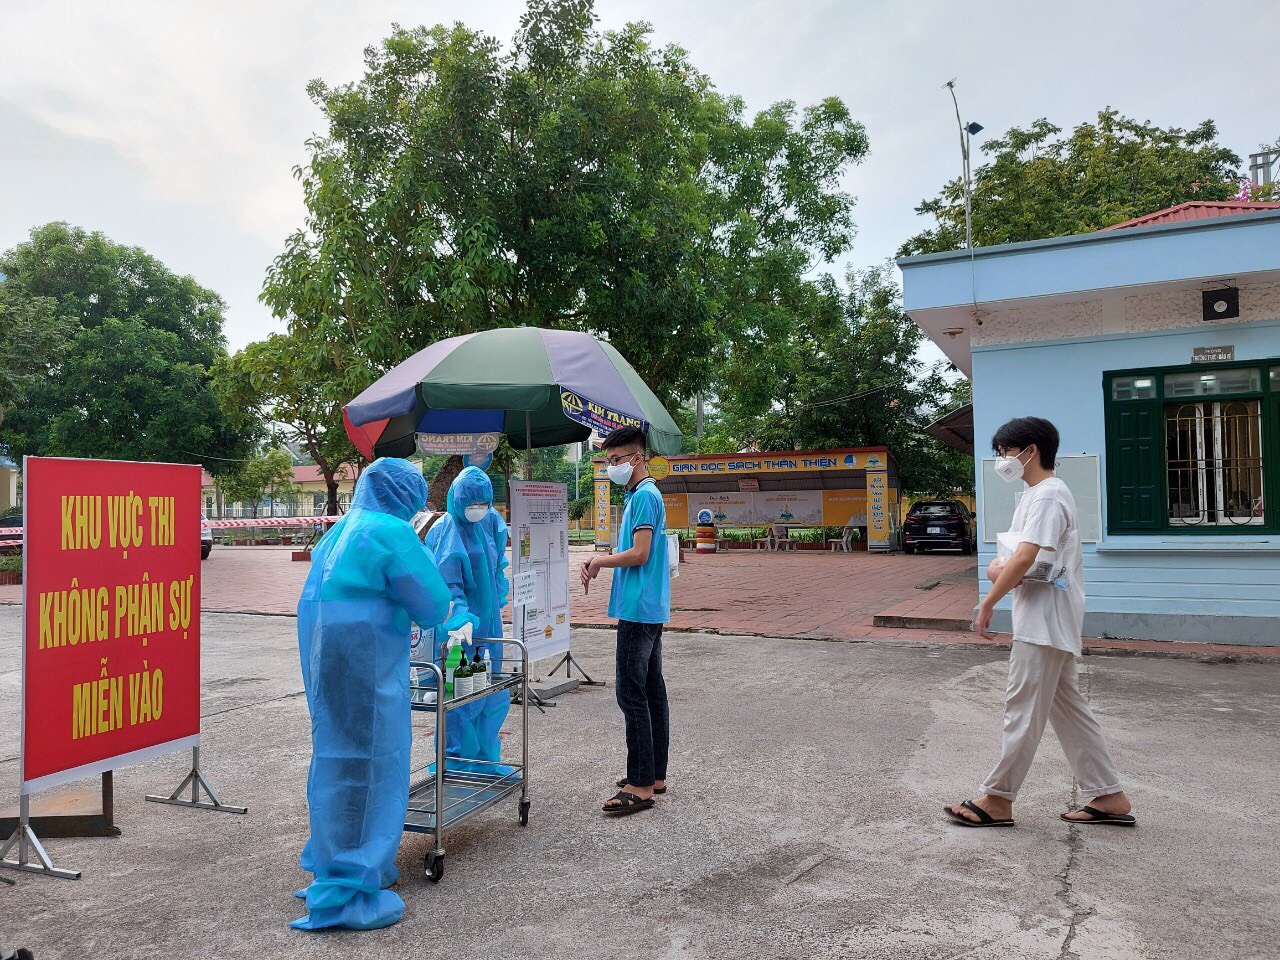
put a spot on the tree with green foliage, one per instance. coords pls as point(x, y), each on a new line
point(278, 382)
point(132, 382)
point(582, 179)
point(846, 374)
point(1038, 184)
point(33, 338)
point(252, 479)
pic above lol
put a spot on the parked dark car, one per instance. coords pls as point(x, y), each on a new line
point(945, 524)
point(10, 538)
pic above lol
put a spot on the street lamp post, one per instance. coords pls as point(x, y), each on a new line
point(966, 134)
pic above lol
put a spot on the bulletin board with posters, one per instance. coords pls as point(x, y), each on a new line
point(540, 543)
point(111, 616)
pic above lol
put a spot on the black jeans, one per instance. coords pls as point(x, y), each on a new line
point(642, 695)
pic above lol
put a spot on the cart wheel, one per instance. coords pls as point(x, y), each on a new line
point(524, 813)
point(435, 866)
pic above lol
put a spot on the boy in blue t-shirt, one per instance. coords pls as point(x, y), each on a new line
point(640, 598)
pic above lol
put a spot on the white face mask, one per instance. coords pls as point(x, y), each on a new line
point(621, 473)
point(1010, 469)
point(476, 512)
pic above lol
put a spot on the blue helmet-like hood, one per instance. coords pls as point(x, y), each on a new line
point(393, 486)
point(471, 486)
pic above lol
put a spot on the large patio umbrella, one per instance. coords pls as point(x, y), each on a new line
point(540, 388)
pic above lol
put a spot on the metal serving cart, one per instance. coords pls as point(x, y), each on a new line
point(438, 801)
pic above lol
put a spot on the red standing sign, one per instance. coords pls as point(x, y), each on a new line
point(111, 632)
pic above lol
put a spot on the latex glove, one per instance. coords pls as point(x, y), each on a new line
point(461, 620)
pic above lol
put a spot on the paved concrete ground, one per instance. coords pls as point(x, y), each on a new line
point(739, 591)
point(803, 820)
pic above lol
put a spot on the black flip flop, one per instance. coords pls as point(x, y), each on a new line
point(628, 803)
point(984, 819)
point(1101, 816)
point(623, 783)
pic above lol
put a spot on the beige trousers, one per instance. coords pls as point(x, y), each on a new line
point(1044, 686)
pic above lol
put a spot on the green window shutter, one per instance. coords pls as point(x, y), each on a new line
point(1135, 460)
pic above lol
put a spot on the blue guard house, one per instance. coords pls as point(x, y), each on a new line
point(1154, 346)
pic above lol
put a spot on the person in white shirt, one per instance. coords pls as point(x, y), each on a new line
point(1046, 568)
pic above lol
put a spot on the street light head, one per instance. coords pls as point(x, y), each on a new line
point(974, 129)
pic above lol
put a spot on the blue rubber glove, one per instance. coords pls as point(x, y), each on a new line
point(460, 617)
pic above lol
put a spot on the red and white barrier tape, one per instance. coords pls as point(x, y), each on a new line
point(269, 522)
point(225, 524)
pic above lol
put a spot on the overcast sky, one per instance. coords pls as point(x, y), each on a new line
point(175, 126)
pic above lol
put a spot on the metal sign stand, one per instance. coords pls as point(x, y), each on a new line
point(569, 663)
point(26, 840)
point(196, 779)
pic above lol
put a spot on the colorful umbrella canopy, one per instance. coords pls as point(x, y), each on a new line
point(540, 388)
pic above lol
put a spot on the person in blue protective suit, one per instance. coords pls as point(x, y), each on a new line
point(470, 546)
point(369, 575)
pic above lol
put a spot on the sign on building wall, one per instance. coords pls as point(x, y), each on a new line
point(832, 508)
point(879, 528)
point(1081, 475)
point(111, 616)
point(1212, 354)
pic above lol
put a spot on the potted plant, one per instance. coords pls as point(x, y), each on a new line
point(11, 570)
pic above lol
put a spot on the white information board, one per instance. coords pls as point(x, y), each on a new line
point(524, 589)
point(540, 546)
point(1080, 474)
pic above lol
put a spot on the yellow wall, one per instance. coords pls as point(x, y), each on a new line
point(838, 506)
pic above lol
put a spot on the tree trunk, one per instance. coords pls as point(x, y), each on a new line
point(438, 489)
point(331, 487)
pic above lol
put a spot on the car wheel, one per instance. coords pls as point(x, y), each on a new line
point(908, 549)
point(965, 547)
point(205, 549)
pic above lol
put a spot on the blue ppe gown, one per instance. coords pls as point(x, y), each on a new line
point(369, 575)
point(472, 558)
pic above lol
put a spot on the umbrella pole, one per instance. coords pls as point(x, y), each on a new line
point(528, 445)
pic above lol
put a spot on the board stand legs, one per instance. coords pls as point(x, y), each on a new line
point(538, 701)
point(25, 839)
point(569, 663)
point(195, 779)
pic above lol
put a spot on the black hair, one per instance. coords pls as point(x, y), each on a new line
point(1022, 432)
point(624, 437)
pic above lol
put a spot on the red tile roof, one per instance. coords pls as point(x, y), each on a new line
point(1196, 210)
point(312, 474)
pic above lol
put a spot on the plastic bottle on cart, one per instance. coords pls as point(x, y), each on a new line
point(452, 658)
point(462, 678)
point(488, 668)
